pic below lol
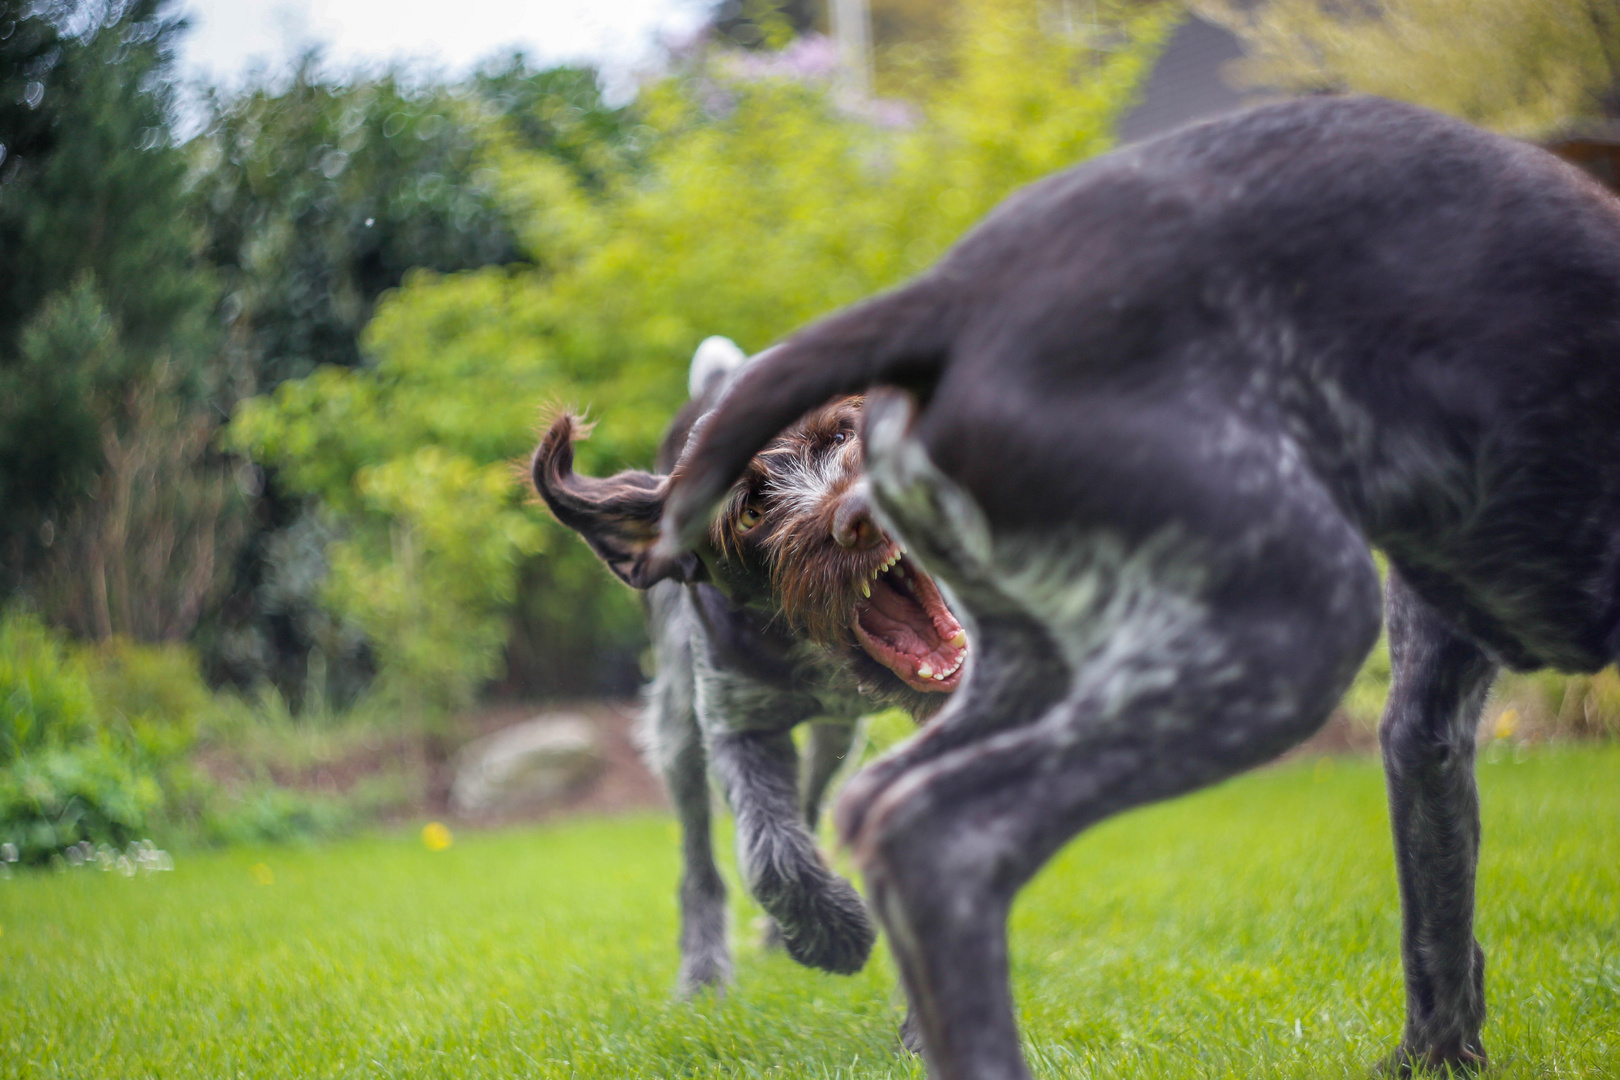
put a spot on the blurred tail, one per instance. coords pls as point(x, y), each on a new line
point(716, 359)
point(897, 339)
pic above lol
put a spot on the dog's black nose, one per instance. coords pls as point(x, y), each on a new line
point(852, 525)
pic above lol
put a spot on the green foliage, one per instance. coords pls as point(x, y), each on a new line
point(1525, 67)
point(65, 776)
point(317, 198)
point(45, 696)
point(758, 204)
point(433, 601)
point(559, 112)
point(96, 183)
point(108, 358)
point(68, 357)
point(152, 693)
point(64, 795)
point(96, 744)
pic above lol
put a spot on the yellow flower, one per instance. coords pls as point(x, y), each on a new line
point(261, 873)
point(1507, 722)
point(435, 837)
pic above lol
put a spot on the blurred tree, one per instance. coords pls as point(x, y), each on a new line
point(1524, 67)
point(765, 24)
point(104, 303)
point(761, 203)
point(317, 198)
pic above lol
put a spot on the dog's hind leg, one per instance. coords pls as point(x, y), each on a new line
point(1439, 685)
point(821, 916)
point(947, 845)
point(705, 958)
point(673, 744)
point(1108, 672)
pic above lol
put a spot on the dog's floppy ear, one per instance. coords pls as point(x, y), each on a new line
point(617, 515)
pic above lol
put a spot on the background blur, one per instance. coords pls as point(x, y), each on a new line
point(281, 301)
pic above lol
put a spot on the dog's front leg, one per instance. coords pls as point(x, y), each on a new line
point(825, 752)
point(1438, 689)
point(828, 742)
point(823, 922)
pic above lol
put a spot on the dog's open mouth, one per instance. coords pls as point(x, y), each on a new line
point(903, 623)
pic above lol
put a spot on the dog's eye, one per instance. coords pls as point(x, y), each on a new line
point(839, 437)
point(749, 518)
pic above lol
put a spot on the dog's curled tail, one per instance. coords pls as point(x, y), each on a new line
point(898, 338)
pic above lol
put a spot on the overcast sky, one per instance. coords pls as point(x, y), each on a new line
point(229, 37)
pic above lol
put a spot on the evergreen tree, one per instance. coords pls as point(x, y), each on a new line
point(100, 280)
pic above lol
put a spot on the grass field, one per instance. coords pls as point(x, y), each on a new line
point(1249, 931)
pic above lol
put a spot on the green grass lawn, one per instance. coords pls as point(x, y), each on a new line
point(1248, 931)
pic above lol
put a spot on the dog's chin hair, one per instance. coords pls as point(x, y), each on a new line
point(817, 601)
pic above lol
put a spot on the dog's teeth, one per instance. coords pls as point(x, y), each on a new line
point(899, 571)
point(960, 640)
point(941, 676)
point(925, 671)
point(866, 589)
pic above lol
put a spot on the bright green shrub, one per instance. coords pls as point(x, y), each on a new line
point(65, 775)
point(153, 695)
point(45, 697)
point(93, 739)
point(60, 795)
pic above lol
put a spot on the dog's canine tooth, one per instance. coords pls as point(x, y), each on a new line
point(925, 671)
point(960, 640)
point(866, 589)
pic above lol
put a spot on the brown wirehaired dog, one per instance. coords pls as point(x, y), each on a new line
point(797, 608)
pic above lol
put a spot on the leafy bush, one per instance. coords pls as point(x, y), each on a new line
point(64, 775)
point(58, 796)
point(151, 694)
point(45, 697)
point(94, 739)
point(265, 813)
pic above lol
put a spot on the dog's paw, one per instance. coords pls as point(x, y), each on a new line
point(911, 1034)
point(1452, 1060)
point(703, 972)
point(834, 932)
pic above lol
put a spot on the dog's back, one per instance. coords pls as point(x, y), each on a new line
point(1312, 265)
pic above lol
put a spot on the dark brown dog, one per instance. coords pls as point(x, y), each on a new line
point(795, 609)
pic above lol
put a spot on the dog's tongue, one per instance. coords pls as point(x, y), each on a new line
point(905, 626)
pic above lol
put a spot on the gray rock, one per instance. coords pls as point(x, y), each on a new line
point(525, 764)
